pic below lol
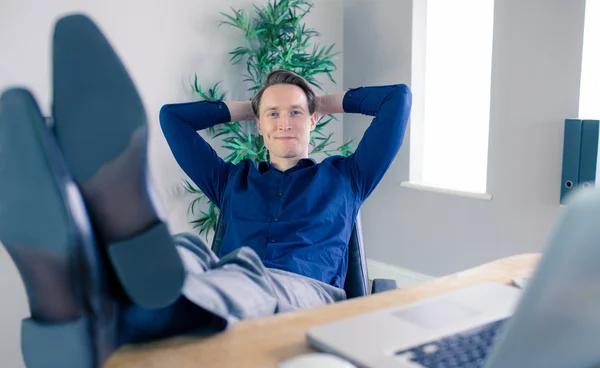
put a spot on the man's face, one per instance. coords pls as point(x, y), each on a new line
point(285, 122)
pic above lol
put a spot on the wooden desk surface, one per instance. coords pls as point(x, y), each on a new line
point(265, 342)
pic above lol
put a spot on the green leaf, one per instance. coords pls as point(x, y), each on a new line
point(322, 145)
point(190, 188)
point(193, 204)
point(232, 21)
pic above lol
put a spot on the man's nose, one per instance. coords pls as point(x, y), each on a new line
point(284, 123)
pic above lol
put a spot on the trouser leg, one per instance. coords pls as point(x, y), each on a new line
point(219, 292)
point(240, 287)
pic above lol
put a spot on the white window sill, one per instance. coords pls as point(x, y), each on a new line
point(427, 188)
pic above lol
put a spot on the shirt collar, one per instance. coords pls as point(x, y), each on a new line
point(265, 166)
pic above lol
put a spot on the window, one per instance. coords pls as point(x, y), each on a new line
point(452, 57)
point(589, 95)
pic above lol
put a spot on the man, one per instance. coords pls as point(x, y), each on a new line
point(295, 214)
point(101, 269)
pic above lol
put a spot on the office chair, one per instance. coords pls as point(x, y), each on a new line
point(357, 279)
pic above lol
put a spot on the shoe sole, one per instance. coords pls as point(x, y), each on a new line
point(100, 124)
point(44, 228)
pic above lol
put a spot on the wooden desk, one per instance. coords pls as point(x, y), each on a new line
point(267, 341)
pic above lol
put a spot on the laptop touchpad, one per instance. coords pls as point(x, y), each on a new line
point(436, 314)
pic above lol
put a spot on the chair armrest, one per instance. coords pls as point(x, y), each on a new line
point(380, 285)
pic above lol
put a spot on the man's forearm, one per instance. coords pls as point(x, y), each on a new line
point(331, 103)
point(240, 110)
point(326, 104)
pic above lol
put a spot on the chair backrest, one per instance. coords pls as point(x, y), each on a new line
point(357, 280)
point(357, 277)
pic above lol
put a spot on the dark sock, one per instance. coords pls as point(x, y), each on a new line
point(139, 325)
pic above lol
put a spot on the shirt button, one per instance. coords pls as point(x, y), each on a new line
point(272, 241)
point(276, 219)
point(280, 194)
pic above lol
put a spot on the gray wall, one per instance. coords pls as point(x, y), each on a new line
point(163, 45)
point(535, 85)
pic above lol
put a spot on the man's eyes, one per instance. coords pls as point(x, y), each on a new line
point(275, 114)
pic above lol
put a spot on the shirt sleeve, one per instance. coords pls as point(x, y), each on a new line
point(180, 123)
point(390, 105)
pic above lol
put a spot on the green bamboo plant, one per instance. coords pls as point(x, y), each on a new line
point(274, 38)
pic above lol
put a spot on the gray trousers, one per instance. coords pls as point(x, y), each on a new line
point(220, 292)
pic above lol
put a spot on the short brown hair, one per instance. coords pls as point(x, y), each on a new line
point(281, 76)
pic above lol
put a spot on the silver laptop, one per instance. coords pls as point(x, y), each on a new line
point(554, 322)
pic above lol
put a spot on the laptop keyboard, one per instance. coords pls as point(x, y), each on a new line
point(465, 350)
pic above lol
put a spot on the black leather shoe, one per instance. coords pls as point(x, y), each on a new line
point(46, 230)
point(100, 125)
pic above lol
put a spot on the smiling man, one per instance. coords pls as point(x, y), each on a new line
point(291, 214)
point(285, 123)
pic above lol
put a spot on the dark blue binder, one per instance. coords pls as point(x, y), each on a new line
point(571, 155)
point(588, 157)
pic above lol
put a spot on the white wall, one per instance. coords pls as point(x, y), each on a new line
point(162, 45)
point(535, 85)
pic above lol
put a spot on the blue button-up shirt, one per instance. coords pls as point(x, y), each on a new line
point(299, 220)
